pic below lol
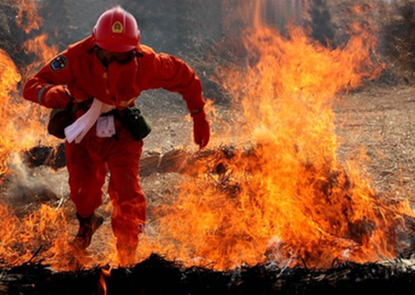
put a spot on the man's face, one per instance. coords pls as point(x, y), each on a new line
point(106, 56)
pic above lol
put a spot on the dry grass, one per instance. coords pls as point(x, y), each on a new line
point(381, 121)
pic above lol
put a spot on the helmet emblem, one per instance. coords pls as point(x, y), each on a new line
point(117, 27)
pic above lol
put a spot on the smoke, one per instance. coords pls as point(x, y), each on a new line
point(26, 189)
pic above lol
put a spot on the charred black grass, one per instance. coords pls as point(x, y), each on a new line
point(156, 275)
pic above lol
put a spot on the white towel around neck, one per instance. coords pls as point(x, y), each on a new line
point(83, 124)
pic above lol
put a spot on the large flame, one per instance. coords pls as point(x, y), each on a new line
point(286, 197)
point(23, 124)
point(9, 77)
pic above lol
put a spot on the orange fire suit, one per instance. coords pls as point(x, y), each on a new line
point(118, 84)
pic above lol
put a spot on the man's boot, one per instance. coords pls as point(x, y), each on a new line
point(87, 227)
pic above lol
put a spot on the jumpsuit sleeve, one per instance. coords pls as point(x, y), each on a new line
point(55, 72)
point(174, 75)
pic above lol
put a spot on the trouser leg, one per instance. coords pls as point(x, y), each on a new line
point(87, 173)
point(129, 205)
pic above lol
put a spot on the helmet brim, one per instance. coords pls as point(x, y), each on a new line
point(115, 47)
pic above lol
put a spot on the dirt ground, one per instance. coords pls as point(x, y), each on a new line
point(381, 120)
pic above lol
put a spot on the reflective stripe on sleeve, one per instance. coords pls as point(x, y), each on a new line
point(40, 93)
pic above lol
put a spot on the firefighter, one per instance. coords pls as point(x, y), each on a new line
point(98, 80)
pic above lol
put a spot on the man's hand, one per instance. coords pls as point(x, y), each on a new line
point(56, 97)
point(201, 129)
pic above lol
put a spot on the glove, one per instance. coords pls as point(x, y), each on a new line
point(56, 97)
point(201, 129)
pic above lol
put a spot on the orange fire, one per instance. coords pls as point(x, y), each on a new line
point(42, 52)
point(285, 198)
point(34, 231)
point(9, 77)
point(27, 17)
point(22, 126)
point(23, 123)
point(102, 287)
point(46, 234)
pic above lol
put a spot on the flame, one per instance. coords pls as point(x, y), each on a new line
point(22, 126)
point(102, 287)
point(23, 123)
point(33, 231)
point(27, 17)
point(286, 198)
point(43, 53)
point(9, 77)
point(45, 235)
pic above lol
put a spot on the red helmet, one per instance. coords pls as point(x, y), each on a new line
point(116, 30)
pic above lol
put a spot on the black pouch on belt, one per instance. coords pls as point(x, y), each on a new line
point(59, 120)
point(132, 119)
